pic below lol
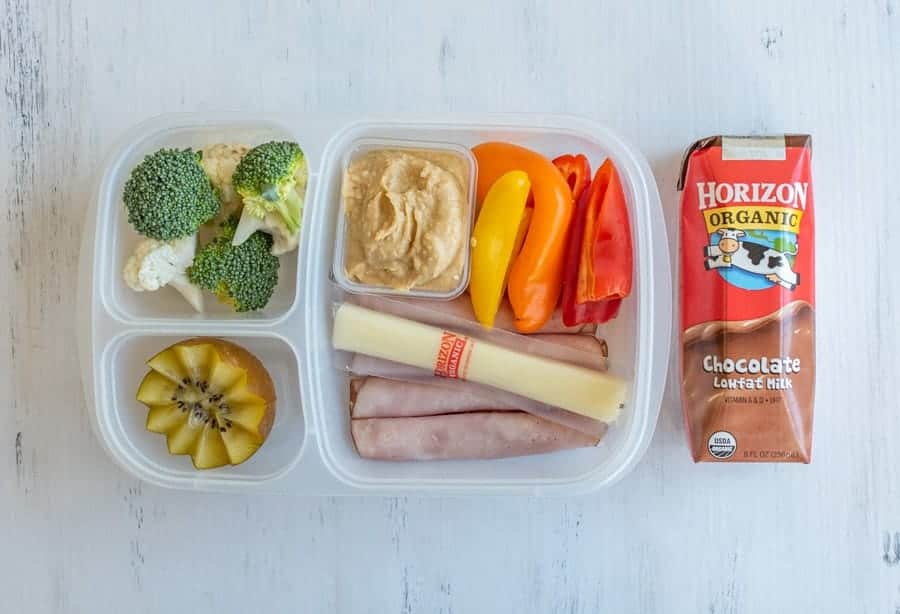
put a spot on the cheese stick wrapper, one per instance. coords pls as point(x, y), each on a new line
point(453, 355)
point(458, 312)
point(376, 397)
point(584, 350)
point(580, 349)
point(480, 435)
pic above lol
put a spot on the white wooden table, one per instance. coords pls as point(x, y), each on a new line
point(78, 535)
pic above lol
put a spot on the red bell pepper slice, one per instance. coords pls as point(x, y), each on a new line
point(604, 238)
point(577, 171)
point(606, 260)
point(575, 313)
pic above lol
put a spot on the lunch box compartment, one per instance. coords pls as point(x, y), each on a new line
point(124, 364)
point(117, 239)
point(328, 389)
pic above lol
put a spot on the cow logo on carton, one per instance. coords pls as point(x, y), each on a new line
point(750, 260)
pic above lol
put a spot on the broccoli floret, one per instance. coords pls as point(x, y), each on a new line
point(243, 276)
point(168, 196)
point(270, 178)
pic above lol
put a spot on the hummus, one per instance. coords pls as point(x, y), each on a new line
point(407, 219)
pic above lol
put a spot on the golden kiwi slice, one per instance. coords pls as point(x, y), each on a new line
point(212, 399)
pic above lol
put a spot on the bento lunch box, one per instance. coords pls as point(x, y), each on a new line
point(309, 451)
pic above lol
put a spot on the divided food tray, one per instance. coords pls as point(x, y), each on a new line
point(309, 451)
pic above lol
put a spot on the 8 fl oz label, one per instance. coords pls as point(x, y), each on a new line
point(722, 445)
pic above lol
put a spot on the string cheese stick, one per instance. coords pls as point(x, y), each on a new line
point(583, 391)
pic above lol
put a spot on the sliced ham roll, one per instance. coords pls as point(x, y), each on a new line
point(583, 350)
point(363, 365)
point(446, 314)
point(374, 397)
point(480, 435)
point(428, 395)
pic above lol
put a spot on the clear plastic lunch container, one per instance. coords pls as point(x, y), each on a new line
point(364, 146)
point(309, 450)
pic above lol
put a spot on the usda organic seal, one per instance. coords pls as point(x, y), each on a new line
point(722, 444)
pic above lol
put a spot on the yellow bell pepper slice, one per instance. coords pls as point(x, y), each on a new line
point(493, 242)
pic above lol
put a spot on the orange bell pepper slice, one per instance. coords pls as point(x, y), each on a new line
point(535, 278)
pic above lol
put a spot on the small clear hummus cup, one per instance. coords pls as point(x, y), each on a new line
point(405, 218)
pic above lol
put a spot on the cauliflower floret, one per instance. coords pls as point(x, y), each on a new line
point(219, 162)
point(273, 224)
point(155, 264)
point(152, 265)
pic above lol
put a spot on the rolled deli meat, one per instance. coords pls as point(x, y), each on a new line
point(387, 392)
point(375, 397)
point(748, 357)
point(477, 435)
point(450, 313)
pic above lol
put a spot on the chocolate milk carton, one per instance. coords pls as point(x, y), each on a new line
point(747, 254)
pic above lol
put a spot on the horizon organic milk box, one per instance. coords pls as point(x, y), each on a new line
point(747, 333)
